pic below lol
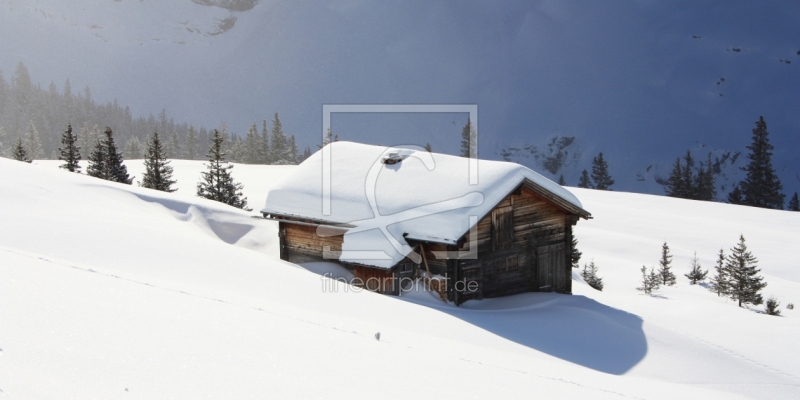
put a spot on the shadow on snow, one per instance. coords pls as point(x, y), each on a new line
point(573, 328)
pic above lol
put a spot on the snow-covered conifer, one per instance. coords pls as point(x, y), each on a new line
point(650, 281)
point(19, 153)
point(585, 181)
point(665, 274)
point(589, 274)
point(600, 176)
point(696, 274)
point(772, 307)
point(70, 153)
point(217, 183)
point(720, 282)
point(158, 172)
point(745, 283)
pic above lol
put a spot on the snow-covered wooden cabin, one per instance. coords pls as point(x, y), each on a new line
point(390, 214)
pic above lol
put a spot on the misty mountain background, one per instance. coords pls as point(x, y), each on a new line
point(555, 82)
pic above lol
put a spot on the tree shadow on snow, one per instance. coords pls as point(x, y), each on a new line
point(573, 328)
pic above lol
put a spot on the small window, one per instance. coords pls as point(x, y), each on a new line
point(511, 263)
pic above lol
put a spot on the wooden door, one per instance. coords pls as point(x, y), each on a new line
point(502, 228)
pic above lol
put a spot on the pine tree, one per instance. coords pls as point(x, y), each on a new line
point(134, 147)
point(736, 196)
point(19, 153)
point(237, 149)
point(278, 143)
point(650, 281)
point(252, 146)
point(106, 162)
point(761, 187)
point(157, 171)
point(264, 153)
point(469, 141)
point(589, 274)
point(705, 181)
point(676, 187)
point(291, 150)
point(173, 149)
point(720, 282)
point(428, 148)
point(585, 181)
point(561, 180)
point(665, 274)
point(70, 153)
point(772, 307)
point(600, 176)
point(191, 143)
point(33, 144)
point(696, 274)
point(745, 283)
point(327, 139)
point(575, 254)
point(217, 183)
point(794, 203)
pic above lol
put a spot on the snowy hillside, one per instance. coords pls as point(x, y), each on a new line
point(109, 290)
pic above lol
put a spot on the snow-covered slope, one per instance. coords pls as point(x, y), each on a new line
point(109, 290)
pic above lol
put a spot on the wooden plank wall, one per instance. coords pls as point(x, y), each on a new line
point(302, 244)
point(538, 226)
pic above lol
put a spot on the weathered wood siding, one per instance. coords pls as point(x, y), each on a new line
point(531, 256)
point(300, 243)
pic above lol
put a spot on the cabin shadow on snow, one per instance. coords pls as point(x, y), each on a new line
point(573, 328)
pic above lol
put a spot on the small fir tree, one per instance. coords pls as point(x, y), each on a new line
point(292, 154)
point(252, 146)
point(589, 274)
point(33, 144)
point(71, 152)
point(217, 183)
point(278, 143)
point(761, 187)
point(430, 150)
point(191, 143)
point(772, 307)
point(561, 180)
point(134, 147)
point(157, 171)
point(696, 274)
point(469, 141)
point(264, 153)
point(106, 162)
point(745, 283)
point(600, 176)
point(665, 274)
point(650, 281)
point(585, 181)
point(174, 148)
point(676, 186)
point(705, 182)
point(575, 254)
point(720, 282)
point(735, 196)
point(794, 203)
point(19, 153)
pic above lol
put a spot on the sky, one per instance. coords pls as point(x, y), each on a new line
point(636, 80)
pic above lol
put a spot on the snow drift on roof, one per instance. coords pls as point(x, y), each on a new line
point(426, 195)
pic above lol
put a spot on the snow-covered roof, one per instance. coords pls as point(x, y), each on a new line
point(427, 196)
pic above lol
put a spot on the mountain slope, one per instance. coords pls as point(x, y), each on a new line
point(108, 287)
